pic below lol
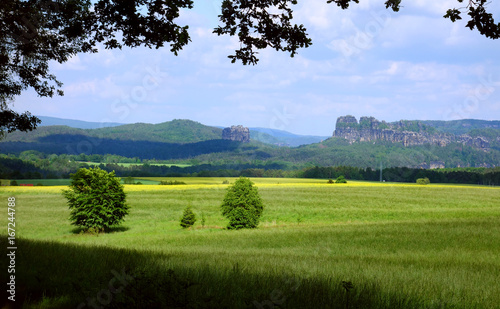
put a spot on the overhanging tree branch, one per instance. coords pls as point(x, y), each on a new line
point(258, 28)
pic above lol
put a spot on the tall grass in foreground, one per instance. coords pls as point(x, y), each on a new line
point(400, 247)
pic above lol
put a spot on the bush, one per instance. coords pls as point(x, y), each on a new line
point(341, 179)
point(175, 182)
point(94, 231)
point(96, 199)
point(14, 183)
point(129, 180)
point(242, 205)
point(225, 182)
point(331, 181)
point(203, 219)
point(188, 218)
point(423, 181)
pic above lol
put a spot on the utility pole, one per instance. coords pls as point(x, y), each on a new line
point(380, 171)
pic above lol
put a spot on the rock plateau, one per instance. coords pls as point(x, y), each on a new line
point(409, 133)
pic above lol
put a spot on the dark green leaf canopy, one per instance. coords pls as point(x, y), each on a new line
point(258, 28)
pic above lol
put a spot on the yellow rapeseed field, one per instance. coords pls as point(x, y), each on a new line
point(195, 183)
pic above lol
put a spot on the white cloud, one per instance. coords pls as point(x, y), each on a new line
point(106, 57)
point(82, 88)
point(74, 63)
point(434, 7)
point(248, 107)
point(393, 69)
point(316, 15)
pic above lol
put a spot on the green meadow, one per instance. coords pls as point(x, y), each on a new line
point(398, 245)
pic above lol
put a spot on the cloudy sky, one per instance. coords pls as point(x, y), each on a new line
point(364, 61)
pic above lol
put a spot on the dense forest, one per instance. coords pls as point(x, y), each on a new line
point(74, 144)
point(35, 165)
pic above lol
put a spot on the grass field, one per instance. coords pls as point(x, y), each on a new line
point(44, 182)
point(66, 182)
point(400, 245)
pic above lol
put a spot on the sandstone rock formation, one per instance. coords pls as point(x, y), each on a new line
point(236, 133)
point(409, 133)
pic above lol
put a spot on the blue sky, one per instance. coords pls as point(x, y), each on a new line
point(364, 61)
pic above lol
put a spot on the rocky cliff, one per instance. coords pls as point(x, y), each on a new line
point(237, 133)
point(409, 133)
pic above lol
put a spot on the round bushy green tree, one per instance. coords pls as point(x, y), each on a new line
point(188, 217)
point(423, 181)
point(242, 205)
point(96, 199)
point(341, 179)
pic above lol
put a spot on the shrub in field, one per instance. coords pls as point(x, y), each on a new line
point(203, 219)
point(242, 205)
point(96, 199)
point(331, 181)
point(423, 181)
point(341, 179)
point(188, 217)
point(175, 182)
point(299, 218)
point(92, 231)
point(14, 183)
point(129, 180)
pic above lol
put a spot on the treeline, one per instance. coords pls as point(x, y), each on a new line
point(35, 165)
point(482, 176)
point(61, 167)
point(268, 169)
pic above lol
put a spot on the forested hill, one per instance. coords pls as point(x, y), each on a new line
point(462, 126)
point(265, 135)
point(175, 131)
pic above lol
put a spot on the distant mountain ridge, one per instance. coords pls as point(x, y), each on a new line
point(264, 135)
point(78, 124)
point(175, 131)
point(283, 138)
point(404, 144)
point(192, 131)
